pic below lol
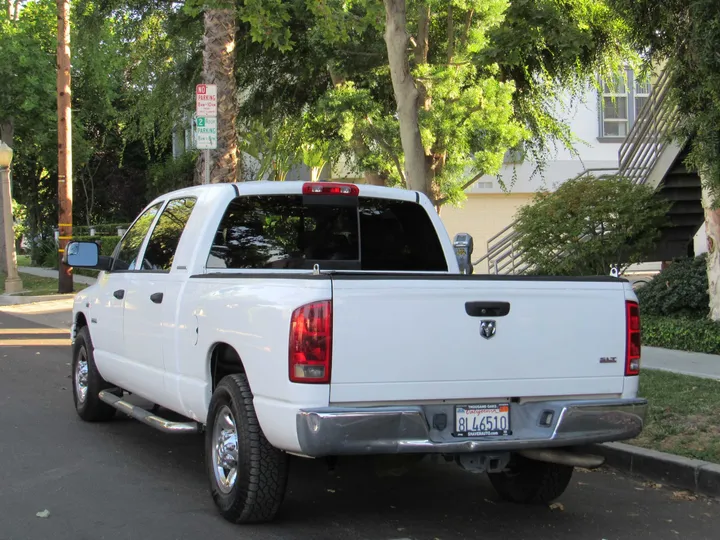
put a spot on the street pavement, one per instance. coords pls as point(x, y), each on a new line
point(123, 480)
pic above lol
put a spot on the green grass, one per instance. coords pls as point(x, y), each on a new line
point(683, 417)
point(38, 286)
point(24, 260)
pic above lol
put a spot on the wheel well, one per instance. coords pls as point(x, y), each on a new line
point(80, 322)
point(224, 361)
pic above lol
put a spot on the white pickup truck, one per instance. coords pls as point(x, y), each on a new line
point(327, 319)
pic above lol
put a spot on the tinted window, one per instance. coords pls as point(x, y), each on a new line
point(165, 237)
point(131, 243)
point(398, 236)
point(283, 231)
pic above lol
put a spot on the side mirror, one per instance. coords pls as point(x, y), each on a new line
point(463, 247)
point(82, 255)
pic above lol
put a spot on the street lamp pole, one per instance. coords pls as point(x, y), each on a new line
point(13, 283)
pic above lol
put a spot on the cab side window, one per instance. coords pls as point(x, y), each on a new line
point(130, 245)
point(165, 237)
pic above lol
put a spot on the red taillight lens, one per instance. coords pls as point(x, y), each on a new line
point(632, 324)
point(311, 343)
point(330, 188)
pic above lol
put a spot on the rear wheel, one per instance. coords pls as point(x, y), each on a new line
point(248, 476)
point(87, 382)
point(531, 482)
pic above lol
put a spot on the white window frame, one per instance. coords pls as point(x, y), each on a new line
point(631, 94)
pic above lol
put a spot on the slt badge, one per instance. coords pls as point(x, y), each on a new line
point(488, 329)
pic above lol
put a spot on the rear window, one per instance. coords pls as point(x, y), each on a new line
point(340, 233)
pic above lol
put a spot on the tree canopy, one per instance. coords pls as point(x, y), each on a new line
point(485, 78)
point(685, 36)
point(315, 86)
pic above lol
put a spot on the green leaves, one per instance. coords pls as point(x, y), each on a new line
point(268, 22)
point(681, 290)
point(589, 224)
point(694, 335)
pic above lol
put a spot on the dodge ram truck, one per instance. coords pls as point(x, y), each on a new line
point(329, 319)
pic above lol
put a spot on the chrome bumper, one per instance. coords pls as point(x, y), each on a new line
point(334, 431)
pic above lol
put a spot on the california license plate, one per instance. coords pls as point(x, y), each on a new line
point(482, 420)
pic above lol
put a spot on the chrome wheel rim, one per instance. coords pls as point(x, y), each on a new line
point(225, 450)
point(81, 376)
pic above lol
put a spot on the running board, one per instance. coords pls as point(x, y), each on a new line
point(152, 420)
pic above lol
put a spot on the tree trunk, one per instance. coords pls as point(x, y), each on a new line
point(712, 229)
point(375, 178)
point(219, 68)
point(407, 97)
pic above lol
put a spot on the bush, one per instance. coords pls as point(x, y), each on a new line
point(694, 335)
point(44, 253)
point(589, 224)
point(681, 290)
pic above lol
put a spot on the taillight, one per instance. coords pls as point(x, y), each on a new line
point(632, 325)
point(330, 188)
point(311, 343)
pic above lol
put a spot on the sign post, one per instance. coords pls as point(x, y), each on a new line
point(206, 122)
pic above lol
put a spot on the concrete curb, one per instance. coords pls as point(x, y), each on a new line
point(692, 474)
point(13, 300)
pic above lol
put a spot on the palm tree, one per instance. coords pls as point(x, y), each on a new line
point(219, 68)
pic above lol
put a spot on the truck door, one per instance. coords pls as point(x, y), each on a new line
point(145, 315)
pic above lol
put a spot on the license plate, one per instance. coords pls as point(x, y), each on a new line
point(483, 420)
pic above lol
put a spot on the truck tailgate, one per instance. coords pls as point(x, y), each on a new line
point(398, 339)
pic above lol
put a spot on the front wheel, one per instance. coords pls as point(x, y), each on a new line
point(87, 382)
point(531, 482)
point(248, 476)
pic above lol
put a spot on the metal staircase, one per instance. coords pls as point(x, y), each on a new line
point(647, 156)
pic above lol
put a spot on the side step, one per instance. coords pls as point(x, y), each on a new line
point(166, 426)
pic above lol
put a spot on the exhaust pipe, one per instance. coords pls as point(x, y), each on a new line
point(563, 457)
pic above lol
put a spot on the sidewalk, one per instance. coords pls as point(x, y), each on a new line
point(50, 273)
point(53, 313)
point(686, 363)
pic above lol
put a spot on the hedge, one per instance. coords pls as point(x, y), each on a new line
point(680, 290)
point(693, 335)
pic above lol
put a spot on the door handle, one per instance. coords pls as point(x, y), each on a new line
point(119, 294)
point(157, 297)
point(487, 309)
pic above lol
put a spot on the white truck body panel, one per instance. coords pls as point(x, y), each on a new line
point(411, 339)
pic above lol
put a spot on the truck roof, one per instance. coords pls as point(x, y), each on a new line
point(293, 187)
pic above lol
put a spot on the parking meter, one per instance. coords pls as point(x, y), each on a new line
point(463, 247)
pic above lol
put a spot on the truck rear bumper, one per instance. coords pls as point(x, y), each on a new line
point(333, 431)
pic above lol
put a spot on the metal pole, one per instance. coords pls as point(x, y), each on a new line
point(207, 167)
point(13, 283)
point(64, 106)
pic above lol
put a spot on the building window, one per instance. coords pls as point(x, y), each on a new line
point(620, 104)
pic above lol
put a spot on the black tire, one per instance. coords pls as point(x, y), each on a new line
point(90, 409)
point(527, 481)
point(262, 470)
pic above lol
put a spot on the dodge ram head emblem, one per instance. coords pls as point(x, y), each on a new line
point(488, 329)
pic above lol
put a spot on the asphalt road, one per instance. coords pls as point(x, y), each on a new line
point(122, 480)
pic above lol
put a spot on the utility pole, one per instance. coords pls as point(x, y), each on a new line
point(64, 105)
